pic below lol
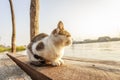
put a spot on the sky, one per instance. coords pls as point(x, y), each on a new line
point(82, 18)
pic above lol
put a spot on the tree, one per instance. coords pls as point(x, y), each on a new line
point(13, 40)
point(34, 18)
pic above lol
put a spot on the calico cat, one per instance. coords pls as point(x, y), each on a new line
point(49, 48)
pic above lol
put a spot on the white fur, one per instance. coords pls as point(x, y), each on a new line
point(52, 51)
point(30, 56)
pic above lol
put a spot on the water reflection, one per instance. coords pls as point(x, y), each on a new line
point(102, 51)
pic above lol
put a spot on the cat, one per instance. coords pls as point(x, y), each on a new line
point(49, 48)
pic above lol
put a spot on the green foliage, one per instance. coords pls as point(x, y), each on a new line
point(18, 48)
point(3, 49)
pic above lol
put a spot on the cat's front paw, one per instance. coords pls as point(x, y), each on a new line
point(61, 62)
point(58, 62)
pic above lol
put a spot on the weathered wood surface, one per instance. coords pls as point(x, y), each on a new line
point(34, 74)
point(74, 69)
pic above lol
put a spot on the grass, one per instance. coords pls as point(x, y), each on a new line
point(18, 48)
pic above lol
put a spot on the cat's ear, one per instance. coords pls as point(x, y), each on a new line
point(59, 28)
point(60, 25)
point(55, 31)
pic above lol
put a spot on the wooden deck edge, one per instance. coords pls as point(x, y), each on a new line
point(35, 75)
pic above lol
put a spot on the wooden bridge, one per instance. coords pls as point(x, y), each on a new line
point(74, 69)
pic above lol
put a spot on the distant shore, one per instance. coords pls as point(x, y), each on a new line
point(100, 39)
point(8, 48)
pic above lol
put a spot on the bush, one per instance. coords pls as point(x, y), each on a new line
point(18, 48)
point(2, 49)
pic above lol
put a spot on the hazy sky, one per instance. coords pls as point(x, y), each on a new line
point(82, 18)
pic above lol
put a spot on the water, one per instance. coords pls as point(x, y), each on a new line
point(101, 51)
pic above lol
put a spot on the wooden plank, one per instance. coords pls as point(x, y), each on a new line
point(35, 75)
point(76, 70)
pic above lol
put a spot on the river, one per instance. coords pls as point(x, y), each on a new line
point(100, 51)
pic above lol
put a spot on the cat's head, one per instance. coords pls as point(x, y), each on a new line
point(61, 36)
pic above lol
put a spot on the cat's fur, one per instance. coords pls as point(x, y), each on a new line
point(50, 48)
